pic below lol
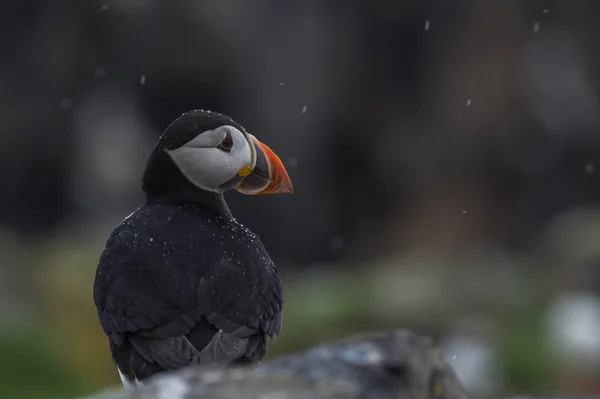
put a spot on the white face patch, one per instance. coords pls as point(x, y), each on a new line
point(207, 166)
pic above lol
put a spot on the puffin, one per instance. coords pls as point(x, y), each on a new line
point(180, 281)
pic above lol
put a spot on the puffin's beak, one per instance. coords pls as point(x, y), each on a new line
point(268, 176)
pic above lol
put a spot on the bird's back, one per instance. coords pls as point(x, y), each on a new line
point(177, 284)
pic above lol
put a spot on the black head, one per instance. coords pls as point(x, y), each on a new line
point(191, 124)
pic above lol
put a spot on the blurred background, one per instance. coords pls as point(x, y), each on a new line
point(445, 156)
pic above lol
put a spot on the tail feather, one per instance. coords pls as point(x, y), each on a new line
point(138, 357)
point(131, 365)
point(129, 384)
point(222, 349)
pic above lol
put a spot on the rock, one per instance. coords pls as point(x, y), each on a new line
point(397, 364)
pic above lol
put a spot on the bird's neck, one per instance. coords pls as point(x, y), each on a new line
point(167, 185)
point(213, 202)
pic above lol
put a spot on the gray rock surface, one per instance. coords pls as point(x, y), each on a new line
point(397, 364)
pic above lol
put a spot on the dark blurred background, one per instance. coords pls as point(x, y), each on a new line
point(445, 156)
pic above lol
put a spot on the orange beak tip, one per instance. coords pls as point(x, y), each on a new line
point(268, 176)
point(280, 180)
point(287, 188)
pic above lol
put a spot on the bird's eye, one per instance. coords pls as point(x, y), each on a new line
point(226, 144)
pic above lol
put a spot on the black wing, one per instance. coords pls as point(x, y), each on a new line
point(163, 308)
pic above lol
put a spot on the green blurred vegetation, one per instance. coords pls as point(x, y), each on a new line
point(33, 366)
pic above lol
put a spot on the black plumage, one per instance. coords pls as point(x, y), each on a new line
point(181, 281)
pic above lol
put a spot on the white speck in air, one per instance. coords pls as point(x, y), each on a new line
point(589, 168)
point(453, 357)
point(99, 72)
point(468, 102)
point(151, 239)
point(304, 109)
point(426, 25)
point(65, 104)
point(464, 212)
point(281, 84)
point(104, 7)
point(293, 162)
point(545, 11)
point(536, 27)
point(143, 79)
